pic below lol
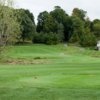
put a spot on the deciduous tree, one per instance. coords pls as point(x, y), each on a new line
point(9, 27)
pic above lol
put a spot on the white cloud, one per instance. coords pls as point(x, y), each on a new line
point(36, 6)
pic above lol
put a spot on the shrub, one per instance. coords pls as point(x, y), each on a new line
point(46, 38)
point(88, 39)
point(38, 38)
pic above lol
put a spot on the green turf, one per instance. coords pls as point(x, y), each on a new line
point(66, 73)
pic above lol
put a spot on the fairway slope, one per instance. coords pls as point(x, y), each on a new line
point(43, 72)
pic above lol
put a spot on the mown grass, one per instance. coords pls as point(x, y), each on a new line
point(66, 73)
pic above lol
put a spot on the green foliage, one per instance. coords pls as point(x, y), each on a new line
point(79, 13)
point(27, 25)
point(88, 23)
point(82, 29)
point(52, 38)
point(82, 34)
point(30, 15)
point(59, 14)
point(77, 29)
point(18, 25)
point(46, 38)
point(68, 28)
point(39, 38)
point(89, 38)
point(46, 23)
point(9, 27)
point(96, 28)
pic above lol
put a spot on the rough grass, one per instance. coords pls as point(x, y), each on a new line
point(73, 73)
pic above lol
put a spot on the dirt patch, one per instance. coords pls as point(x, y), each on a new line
point(26, 62)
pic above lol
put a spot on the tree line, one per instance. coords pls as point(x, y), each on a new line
point(18, 26)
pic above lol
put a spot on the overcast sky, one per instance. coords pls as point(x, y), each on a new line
point(36, 6)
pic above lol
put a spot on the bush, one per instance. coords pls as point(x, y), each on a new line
point(46, 38)
point(88, 39)
point(52, 38)
point(38, 38)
